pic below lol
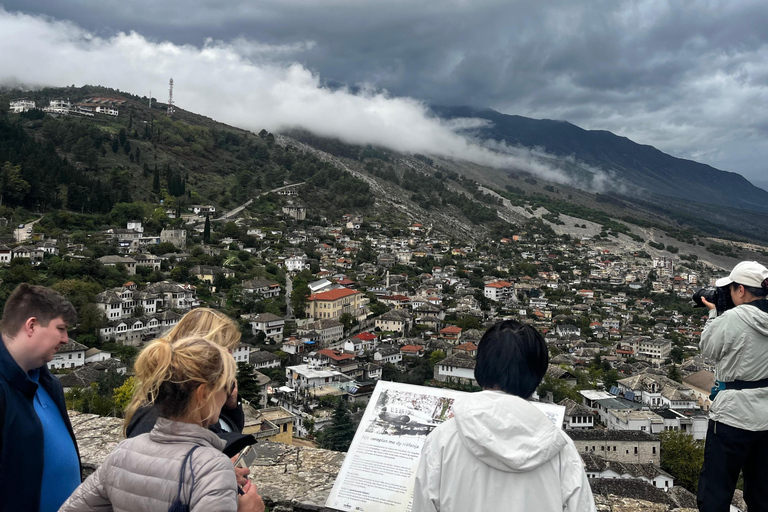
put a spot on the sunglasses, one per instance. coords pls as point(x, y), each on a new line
point(232, 387)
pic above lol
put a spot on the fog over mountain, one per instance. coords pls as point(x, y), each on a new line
point(239, 84)
point(686, 77)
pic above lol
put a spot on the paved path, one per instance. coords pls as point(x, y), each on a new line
point(239, 209)
point(25, 231)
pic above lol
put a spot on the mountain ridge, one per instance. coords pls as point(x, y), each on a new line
point(639, 165)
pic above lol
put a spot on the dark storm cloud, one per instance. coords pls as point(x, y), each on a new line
point(688, 77)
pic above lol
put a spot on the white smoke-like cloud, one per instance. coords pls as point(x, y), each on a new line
point(245, 84)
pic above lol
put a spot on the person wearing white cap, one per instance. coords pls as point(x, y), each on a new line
point(737, 435)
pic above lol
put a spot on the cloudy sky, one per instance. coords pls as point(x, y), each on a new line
point(690, 78)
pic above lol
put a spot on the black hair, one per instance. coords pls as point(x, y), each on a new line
point(754, 290)
point(512, 357)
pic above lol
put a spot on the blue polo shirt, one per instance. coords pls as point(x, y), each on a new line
point(61, 468)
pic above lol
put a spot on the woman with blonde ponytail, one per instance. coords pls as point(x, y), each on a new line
point(213, 326)
point(179, 465)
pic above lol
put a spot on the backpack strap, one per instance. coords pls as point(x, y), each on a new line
point(178, 505)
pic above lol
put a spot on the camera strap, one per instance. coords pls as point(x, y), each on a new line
point(737, 385)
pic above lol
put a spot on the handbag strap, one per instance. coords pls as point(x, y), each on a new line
point(178, 505)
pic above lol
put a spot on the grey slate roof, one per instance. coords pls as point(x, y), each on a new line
point(459, 360)
point(72, 346)
point(610, 435)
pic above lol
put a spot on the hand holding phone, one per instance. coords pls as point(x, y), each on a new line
point(246, 457)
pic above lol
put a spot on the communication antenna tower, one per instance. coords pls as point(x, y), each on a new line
point(171, 110)
point(150, 98)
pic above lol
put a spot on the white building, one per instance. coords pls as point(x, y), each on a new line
point(597, 467)
point(122, 302)
point(95, 355)
point(70, 355)
point(108, 110)
point(499, 291)
point(21, 105)
point(458, 368)
point(654, 351)
point(133, 331)
point(261, 359)
point(58, 106)
point(297, 263)
point(305, 376)
point(270, 324)
point(241, 353)
point(387, 354)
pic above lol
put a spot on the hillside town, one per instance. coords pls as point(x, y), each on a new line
point(327, 310)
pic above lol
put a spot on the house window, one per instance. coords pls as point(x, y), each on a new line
point(654, 450)
point(635, 450)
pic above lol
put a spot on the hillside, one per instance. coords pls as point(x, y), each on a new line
point(90, 164)
point(638, 166)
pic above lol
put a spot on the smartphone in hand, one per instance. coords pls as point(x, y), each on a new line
point(246, 457)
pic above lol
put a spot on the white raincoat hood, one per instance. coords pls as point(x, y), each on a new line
point(506, 432)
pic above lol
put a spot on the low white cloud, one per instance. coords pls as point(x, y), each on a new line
point(241, 83)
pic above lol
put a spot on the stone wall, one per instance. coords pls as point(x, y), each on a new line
point(299, 479)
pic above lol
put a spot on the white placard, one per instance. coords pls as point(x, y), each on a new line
point(379, 470)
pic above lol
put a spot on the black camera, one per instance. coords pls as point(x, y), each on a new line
point(720, 297)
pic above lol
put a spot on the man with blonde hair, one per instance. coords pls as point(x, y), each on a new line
point(39, 461)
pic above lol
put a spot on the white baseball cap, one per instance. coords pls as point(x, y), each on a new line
point(747, 273)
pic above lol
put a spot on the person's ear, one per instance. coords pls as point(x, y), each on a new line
point(29, 325)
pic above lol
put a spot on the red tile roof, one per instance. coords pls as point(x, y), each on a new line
point(333, 294)
point(335, 355)
point(451, 329)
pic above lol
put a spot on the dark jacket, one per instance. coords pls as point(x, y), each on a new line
point(21, 458)
point(144, 421)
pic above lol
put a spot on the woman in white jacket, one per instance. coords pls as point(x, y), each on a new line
point(499, 452)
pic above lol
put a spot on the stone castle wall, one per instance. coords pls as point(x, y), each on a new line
point(299, 479)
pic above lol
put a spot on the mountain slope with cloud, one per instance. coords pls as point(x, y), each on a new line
point(641, 167)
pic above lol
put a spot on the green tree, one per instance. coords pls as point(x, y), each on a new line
point(299, 296)
point(123, 394)
point(247, 385)
point(347, 320)
point(339, 433)
point(435, 357)
point(674, 373)
point(559, 388)
point(682, 456)
point(13, 188)
point(207, 229)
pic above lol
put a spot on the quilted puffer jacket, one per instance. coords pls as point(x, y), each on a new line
point(142, 474)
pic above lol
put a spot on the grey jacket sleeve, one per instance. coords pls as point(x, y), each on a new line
point(215, 486)
point(714, 337)
point(90, 496)
point(426, 490)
